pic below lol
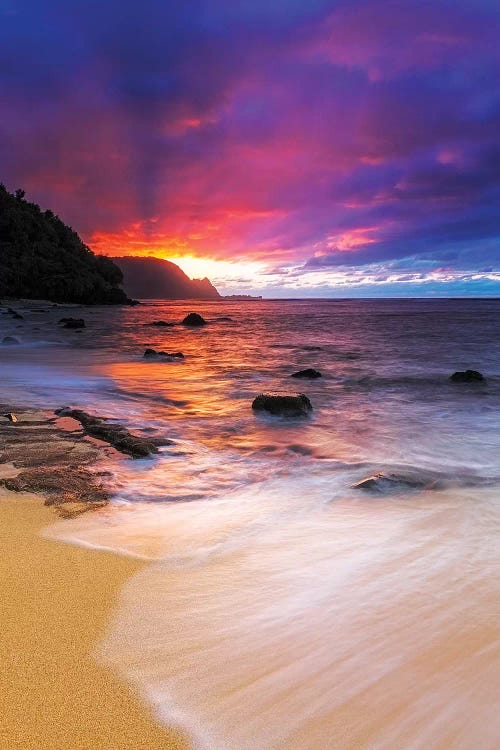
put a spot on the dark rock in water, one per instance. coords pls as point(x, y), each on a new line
point(10, 341)
point(387, 483)
point(290, 405)
point(312, 348)
point(153, 354)
point(114, 434)
point(72, 322)
point(159, 323)
point(309, 373)
point(224, 318)
point(467, 376)
point(133, 302)
point(15, 314)
point(193, 319)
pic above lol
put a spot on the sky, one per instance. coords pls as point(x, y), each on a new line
point(280, 147)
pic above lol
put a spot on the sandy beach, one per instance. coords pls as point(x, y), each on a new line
point(56, 602)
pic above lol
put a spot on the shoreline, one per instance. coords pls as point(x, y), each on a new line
point(57, 600)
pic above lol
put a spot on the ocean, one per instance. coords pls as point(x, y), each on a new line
point(281, 607)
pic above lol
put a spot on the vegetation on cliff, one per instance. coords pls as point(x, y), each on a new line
point(43, 258)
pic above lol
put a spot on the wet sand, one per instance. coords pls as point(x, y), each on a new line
point(56, 601)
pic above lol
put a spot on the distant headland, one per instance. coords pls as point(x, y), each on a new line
point(156, 278)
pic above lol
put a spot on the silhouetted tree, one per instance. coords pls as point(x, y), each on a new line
point(42, 258)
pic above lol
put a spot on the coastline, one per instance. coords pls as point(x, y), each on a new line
point(56, 602)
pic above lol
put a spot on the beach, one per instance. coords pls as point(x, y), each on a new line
point(263, 583)
point(56, 602)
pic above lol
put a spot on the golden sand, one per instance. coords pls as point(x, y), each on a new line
point(55, 602)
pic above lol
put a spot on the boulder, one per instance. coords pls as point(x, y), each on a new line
point(467, 376)
point(309, 373)
point(114, 434)
point(391, 483)
point(193, 319)
point(10, 341)
point(289, 405)
point(72, 322)
point(169, 356)
point(15, 314)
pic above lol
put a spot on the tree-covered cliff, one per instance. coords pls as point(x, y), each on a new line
point(42, 258)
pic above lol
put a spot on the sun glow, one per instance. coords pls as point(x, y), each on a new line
point(218, 271)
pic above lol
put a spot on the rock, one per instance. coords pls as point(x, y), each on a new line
point(11, 417)
point(467, 376)
point(289, 405)
point(312, 348)
point(73, 322)
point(159, 323)
point(114, 434)
point(10, 341)
point(153, 354)
point(386, 483)
point(224, 319)
point(193, 319)
point(309, 373)
point(15, 314)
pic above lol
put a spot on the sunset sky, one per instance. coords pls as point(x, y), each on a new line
point(281, 147)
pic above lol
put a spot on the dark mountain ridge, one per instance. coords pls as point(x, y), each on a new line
point(156, 278)
point(43, 258)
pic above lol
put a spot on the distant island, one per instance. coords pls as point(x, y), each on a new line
point(155, 278)
point(242, 296)
point(43, 258)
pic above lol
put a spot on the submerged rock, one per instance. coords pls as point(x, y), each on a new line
point(153, 354)
point(114, 434)
point(308, 373)
point(193, 319)
point(467, 376)
point(72, 322)
point(10, 341)
point(15, 314)
point(386, 483)
point(159, 323)
point(289, 405)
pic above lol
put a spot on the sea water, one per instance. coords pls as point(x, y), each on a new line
point(280, 607)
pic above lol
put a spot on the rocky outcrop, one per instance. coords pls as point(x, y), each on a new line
point(382, 484)
point(72, 322)
point(308, 373)
point(288, 405)
point(467, 376)
point(168, 356)
point(194, 319)
point(114, 434)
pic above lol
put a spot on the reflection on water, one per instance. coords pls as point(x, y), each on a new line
point(281, 609)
